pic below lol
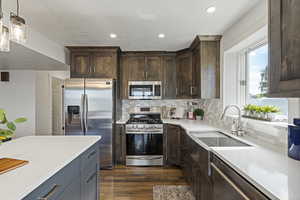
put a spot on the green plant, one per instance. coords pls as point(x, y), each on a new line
point(10, 125)
point(261, 109)
point(199, 112)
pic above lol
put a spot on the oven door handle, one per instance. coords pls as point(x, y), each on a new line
point(148, 158)
point(145, 133)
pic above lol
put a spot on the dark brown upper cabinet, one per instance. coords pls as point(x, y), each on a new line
point(94, 62)
point(140, 66)
point(80, 64)
point(154, 69)
point(132, 69)
point(184, 74)
point(206, 66)
point(169, 77)
point(284, 48)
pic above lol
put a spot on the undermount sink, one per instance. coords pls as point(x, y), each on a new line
point(218, 139)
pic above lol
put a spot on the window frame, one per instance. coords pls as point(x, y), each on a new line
point(247, 68)
point(244, 72)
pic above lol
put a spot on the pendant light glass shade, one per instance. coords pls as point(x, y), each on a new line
point(18, 29)
point(4, 40)
point(1, 24)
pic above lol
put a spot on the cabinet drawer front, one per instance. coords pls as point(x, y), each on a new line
point(90, 157)
point(89, 182)
point(239, 182)
point(54, 186)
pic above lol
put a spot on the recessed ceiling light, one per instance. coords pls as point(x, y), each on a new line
point(161, 35)
point(211, 9)
point(113, 35)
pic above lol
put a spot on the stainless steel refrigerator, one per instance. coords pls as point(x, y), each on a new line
point(90, 110)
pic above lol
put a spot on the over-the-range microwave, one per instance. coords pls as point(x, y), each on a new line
point(144, 90)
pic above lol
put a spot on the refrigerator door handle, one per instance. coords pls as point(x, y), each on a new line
point(86, 108)
point(82, 112)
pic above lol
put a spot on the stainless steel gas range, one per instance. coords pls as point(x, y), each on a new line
point(144, 139)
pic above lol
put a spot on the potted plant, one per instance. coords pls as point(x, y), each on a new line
point(7, 128)
point(272, 111)
point(247, 109)
point(199, 113)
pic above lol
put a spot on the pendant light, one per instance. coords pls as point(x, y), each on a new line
point(17, 27)
point(4, 40)
point(4, 33)
point(1, 19)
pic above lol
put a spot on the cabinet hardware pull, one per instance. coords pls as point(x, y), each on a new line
point(91, 154)
point(235, 187)
point(50, 193)
point(176, 91)
point(192, 90)
point(91, 177)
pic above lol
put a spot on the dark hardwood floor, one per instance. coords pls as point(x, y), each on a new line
point(136, 183)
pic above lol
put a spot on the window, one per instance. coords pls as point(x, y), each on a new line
point(257, 78)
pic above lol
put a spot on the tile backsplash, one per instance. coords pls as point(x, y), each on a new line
point(270, 133)
point(266, 132)
point(129, 105)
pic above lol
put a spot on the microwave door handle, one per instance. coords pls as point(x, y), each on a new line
point(86, 104)
point(82, 113)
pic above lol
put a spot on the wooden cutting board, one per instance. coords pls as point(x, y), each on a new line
point(8, 164)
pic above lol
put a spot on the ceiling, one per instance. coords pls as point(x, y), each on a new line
point(136, 22)
point(24, 58)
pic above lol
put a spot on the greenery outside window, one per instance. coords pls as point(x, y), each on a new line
point(256, 81)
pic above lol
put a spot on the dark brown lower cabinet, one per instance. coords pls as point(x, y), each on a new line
point(195, 166)
point(172, 145)
point(119, 145)
point(229, 185)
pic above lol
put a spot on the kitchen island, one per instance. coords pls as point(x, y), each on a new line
point(60, 167)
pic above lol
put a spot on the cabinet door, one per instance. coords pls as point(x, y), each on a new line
point(72, 192)
point(80, 64)
point(136, 68)
point(196, 60)
point(184, 75)
point(210, 69)
point(89, 183)
point(173, 145)
point(229, 185)
point(104, 65)
point(169, 80)
point(154, 69)
point(124, 76)
point(284, 66)
point(120, 148)
point(224, 188)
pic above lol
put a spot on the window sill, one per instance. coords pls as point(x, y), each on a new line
point(261, 122)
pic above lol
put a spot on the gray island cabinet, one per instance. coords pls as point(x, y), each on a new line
point(59, 168)
point(76, 181)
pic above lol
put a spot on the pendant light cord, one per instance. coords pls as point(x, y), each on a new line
point(18, 7)
point(1, 14)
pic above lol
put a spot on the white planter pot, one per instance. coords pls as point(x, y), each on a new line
point(199, 118)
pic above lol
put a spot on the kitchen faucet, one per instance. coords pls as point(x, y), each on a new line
point(236, 128)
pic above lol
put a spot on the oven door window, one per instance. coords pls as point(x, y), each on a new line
point(141, 90)
point(144, 144)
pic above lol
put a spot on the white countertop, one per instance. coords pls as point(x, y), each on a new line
point(46, 155)
point(273, 172)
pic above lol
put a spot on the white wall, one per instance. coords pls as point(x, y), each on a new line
point(17, 97)
point(29, 94)
point(43, 104)
point(250, 23)
point(44, 99)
